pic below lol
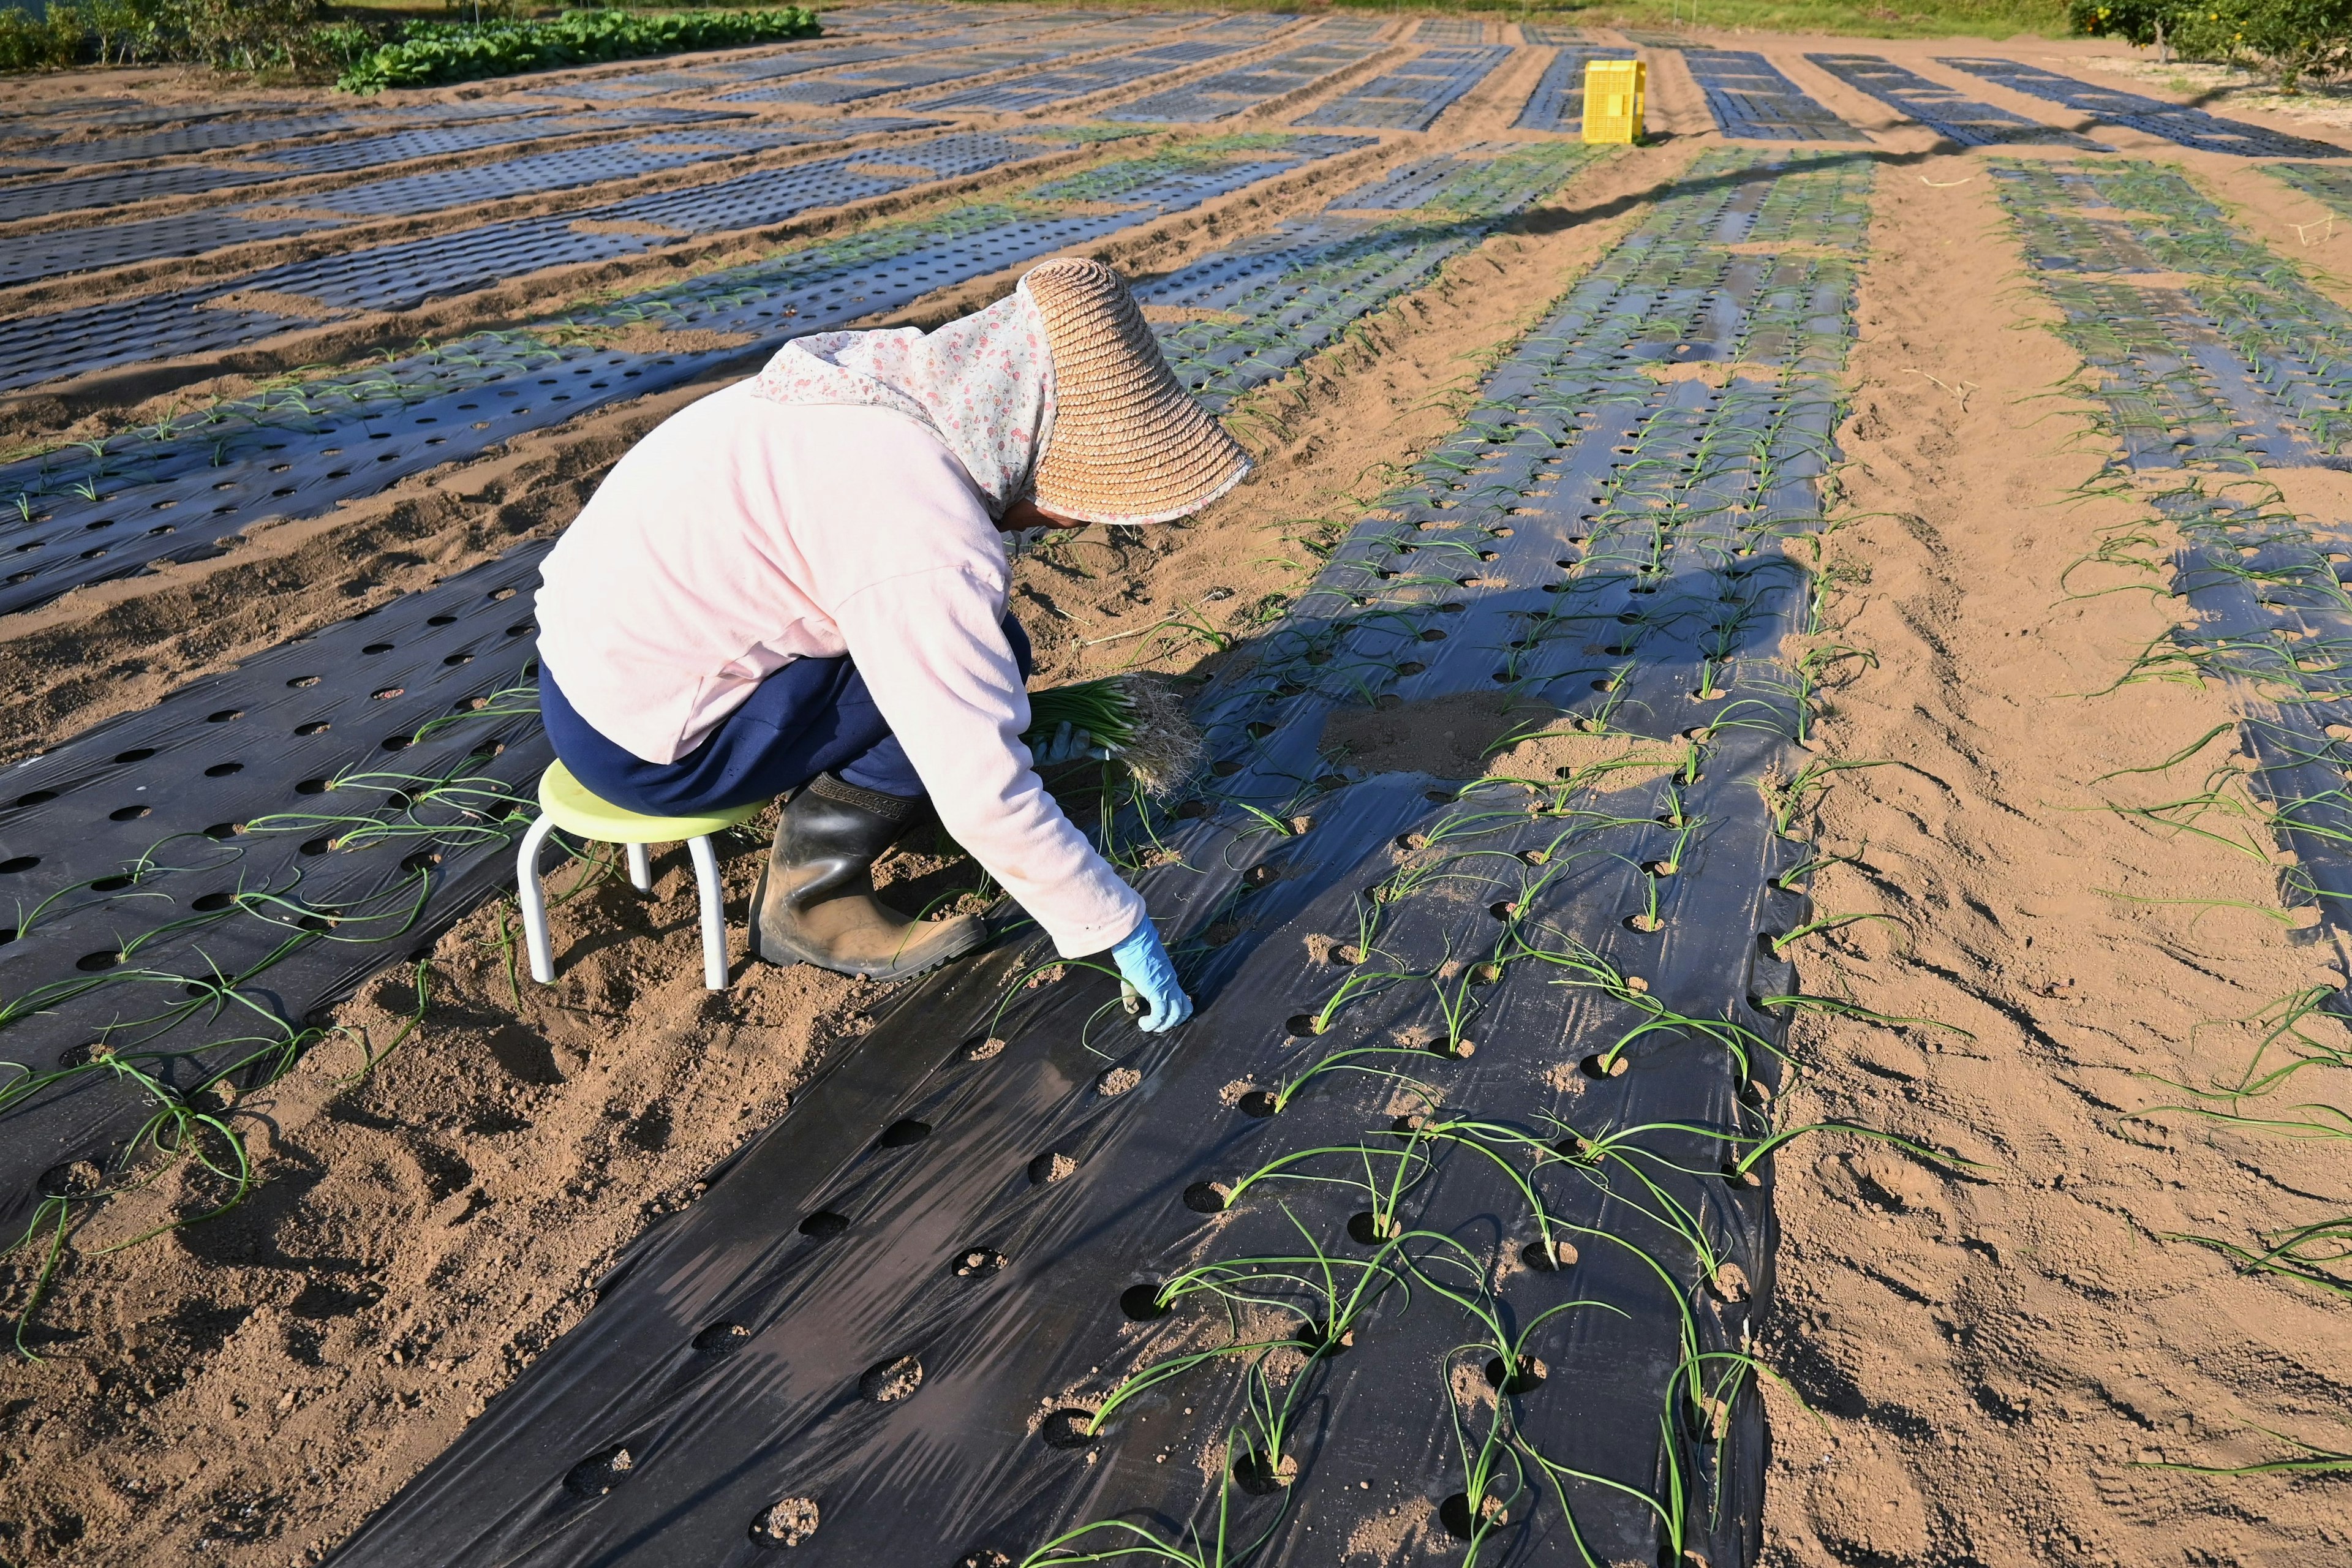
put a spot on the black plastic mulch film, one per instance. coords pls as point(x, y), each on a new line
point(1054, 87)
point(407, 273)
point(1942, 110)
point(206, 135)
point(2173, 122)
point(2236, 360)
point(1748, 97)
point(1248, 86)
point(1298, 286)
point(297, 453)
point(1310, 1272)
point(1414, 94)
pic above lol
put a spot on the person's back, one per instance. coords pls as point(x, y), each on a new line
point(797, 584)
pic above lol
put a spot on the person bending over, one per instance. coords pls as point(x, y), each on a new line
point(798, 585)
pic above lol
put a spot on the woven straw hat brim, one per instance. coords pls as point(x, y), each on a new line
point(1129, 444)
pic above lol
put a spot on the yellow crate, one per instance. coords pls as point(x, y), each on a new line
point(1613, 91)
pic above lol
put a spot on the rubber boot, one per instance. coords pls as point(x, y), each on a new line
point(815, 902)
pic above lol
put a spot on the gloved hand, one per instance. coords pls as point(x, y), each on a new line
point(1145, 963)
point(1068, 746)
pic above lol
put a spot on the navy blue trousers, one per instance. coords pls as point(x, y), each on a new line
point(812, 717)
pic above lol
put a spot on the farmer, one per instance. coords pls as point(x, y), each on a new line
point(797, 584)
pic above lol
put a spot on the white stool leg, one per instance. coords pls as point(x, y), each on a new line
point(714, 916)
point(641, 869)
point(534, 901)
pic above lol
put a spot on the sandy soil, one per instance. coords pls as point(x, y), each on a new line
point(1993, 1360)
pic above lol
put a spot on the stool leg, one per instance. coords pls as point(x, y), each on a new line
point(641, 869)
point(534, 901)
point(714, 918)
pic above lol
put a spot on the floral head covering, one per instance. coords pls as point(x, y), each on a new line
point(982, 383)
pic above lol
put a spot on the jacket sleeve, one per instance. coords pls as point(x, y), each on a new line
point(932, 653)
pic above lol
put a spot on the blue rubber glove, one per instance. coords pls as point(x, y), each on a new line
point(1068, 746)
point(1145, 963)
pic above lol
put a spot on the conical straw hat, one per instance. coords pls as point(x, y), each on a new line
point(1129, 444)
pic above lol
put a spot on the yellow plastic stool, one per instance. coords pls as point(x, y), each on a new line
point(565, 803)
point(1614, 94)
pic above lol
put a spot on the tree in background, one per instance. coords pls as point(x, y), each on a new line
point(2289, 39)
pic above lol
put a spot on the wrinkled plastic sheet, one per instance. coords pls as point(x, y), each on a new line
point(1245, 87)
point(196, 841)
point(1557, 102)
point(1749, 98)
point(957, 1235)
point(1413, 96)
point(1942, 110)
point(2173, 122)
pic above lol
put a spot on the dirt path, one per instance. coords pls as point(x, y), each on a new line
point(1994, 1356)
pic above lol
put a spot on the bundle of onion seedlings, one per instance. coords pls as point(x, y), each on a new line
point(1139, 719)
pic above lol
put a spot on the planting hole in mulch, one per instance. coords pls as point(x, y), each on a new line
point(719, 1339)
point(891, 1381)
point(1115, 1082)
point(1208, 1197)
point(1454, 1051)
point(1369, 1229)
point(1258, 1103)
point(1730, 1282)
point(600, 1474)
point(1067, 1428)
point(1049, 1168)
point(74, 1179)
point(1741, 1178)
point(1526, 1378)
point(983, 1050)
point(1304, 1024)
point(824, 1223)
point(1548, 1259)
point(1316, 1340)
point(900, 1134)
point(788, 1523)
point(1141, 1303)
point(1255, 1476)
point(1648, 925)
point(976, 1261)
point(984, 1558)
point(1453, 1514)
point(1600, 1066)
